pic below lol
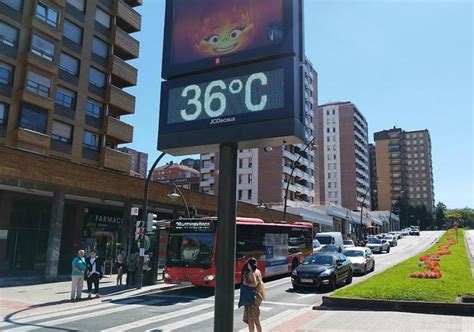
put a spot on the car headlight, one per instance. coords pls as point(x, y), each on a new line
point(326, 273)
point(209, 277)
point(294, 273)
point(166, 276)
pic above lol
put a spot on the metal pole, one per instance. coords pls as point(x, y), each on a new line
point(268, 209)
point(361, 211)
point(291, 175)
point(225, 246)
point(182, 198)
point(145, 214)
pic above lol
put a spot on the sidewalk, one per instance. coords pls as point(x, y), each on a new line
point(49, 296)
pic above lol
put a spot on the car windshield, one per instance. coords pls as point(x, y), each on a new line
point(354, 253)
point(318, 260)
point(388, 237)
point(374, 240)
point(348, 242)
point(316, 244)
point(330, 248)
point(324, 239)
point(190, 250)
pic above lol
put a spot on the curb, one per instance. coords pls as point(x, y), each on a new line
point(438, 308)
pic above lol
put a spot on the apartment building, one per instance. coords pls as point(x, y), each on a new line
point(183, 176)
point(344, 155)
point(138, 162)
point(263, 174)
point(63, 108)
point(373, 178)
point(404, 168)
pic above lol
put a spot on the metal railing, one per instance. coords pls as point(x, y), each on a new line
point(37, 88)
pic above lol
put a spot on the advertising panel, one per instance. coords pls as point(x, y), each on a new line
point(254, 102)
point(208, 34)
point(276, 254)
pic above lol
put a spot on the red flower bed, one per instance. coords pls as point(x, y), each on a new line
point(431, 262)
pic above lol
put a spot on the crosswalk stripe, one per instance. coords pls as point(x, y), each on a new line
point(276, 318)
point(160, 318)
point(271, 322)
point(58, 313)
point(85, 316)
point(184, 323)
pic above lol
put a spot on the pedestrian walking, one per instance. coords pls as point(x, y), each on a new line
point(77, 275)
point(252, 277)
point(94, 273)
point(120, 262)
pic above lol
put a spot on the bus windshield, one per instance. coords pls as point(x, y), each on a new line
point(190, 250)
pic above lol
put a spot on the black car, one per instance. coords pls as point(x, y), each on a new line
point(322, 269)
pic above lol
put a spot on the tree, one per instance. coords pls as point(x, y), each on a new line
point(440, 217)
point(465, 217)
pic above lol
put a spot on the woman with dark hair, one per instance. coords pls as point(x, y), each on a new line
point(252, 277)
point(94, 273)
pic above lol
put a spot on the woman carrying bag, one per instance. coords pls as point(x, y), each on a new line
point(252, 293)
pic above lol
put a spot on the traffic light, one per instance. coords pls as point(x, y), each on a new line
point(151, 223)
point(140, 230)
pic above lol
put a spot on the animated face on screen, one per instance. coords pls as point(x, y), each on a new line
point(225, 33)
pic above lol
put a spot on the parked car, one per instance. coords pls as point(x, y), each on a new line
point(348, 244)
point(391, 239)
point(399, 235)
point(378, 245)
point(414, 231)
point(334, 238)
point(316, 246)
point(322, 269)
point(362, 259)
point(406, 231)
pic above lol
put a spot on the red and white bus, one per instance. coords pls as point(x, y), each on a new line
point(278, 248)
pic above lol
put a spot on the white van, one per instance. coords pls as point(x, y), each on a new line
point(334, 238)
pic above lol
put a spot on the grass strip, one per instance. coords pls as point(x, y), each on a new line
point(396, 284)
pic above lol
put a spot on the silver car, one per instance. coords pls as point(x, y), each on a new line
point(362, 259)
point(378, 245)
point(391, 239)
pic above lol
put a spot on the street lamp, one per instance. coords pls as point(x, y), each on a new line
point(362, 211)
point(179, 194)
point(262, 205)
point(307, 145)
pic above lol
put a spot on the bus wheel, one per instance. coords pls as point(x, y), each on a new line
point(294, 264)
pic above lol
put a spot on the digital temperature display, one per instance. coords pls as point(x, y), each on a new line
point(257, 92)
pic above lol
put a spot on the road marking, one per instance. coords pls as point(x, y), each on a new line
point(156, 319)
point(286, 304)
point(278, 319)
point(64, 312)
point(94, 314)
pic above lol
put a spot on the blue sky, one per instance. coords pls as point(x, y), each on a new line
point(405, 63)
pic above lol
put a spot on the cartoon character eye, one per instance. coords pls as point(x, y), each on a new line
point(214, 39)
point(234, 34)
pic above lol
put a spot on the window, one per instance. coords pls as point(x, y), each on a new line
point(240, 195)
point(69, 64)
point(103, 18)
point(241, 163)
point(38, 84)
point(42, 48)
point(65, 97)
point(34, 119)
point(93, 109)
point(249, 194)
point(100, 47)
point(15, 4)
point(328, 130)
point(91, 141)
point(6, 73)
point(250, 162)
point(47, 14)
point(8, 35)
point(96, 78)
point(3, 114)
point(250, 178)
point(72, 32)
point(61, 132)
point(240, 178)
point(79, 4)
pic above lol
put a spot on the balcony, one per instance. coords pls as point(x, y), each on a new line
point(32, 140)
point(64, 111)
point(121, 131)
point(68, 77)
point(94, 122)
point(90, 154)
point(126, 47)
point(10, 12)
point(121, 103)
point(8, 47)
point(39, 62)
point(116, 160)
point(47, 29)
point(74, 12)
point(134, 3)
point(97, 90)
point(72, 45)
point(102, 29)
point(60, 3)
point(123, 74)
point(33, 98)
point(62, 147)
point(107, 3)
point(127, 18)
